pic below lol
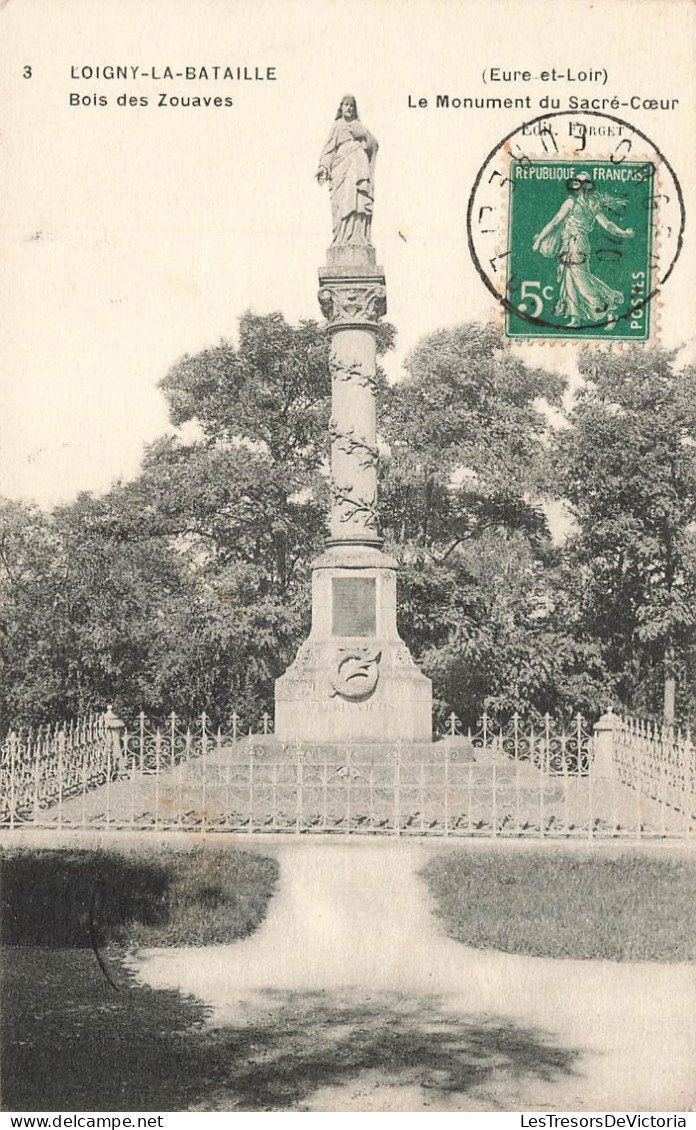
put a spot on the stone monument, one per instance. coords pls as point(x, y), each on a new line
point(354, 678)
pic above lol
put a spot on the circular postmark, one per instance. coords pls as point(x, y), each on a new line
point(575, 222)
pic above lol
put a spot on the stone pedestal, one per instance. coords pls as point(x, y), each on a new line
point(354, 678)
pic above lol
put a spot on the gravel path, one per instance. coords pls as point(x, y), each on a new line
point(353, 921)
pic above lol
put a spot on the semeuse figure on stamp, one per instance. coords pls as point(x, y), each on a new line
point(347, 162)
point(583, 297)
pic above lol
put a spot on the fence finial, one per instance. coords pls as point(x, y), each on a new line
point(609, 720)
point(112, 721)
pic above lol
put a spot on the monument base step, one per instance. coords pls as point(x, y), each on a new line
point(268, 748)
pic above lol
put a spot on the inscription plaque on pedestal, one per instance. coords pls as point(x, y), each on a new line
point(354, 606)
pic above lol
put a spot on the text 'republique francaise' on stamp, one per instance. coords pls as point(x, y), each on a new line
point(575, 223)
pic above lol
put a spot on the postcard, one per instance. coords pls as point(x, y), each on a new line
point(347, 559)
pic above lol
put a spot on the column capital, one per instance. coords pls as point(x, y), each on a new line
point(351, 299)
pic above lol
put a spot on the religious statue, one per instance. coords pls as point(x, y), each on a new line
point(347, 162)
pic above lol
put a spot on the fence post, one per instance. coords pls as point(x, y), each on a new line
point(13, 783)
point(688, 782)
point(397, 791)
point(141, 741)
point(603, 773)
point(603, 765)
point(37, 787)
point(204, 762)
point(158, 764)
point(250, 827)
point(299, 763)
point(446, 791)
point(61, 771)
point(115, 728)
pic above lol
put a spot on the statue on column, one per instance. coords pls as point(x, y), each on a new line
point(347, 162)
point(353, 678)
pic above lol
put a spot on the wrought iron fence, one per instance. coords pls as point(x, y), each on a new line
point(549, 745)
point(516, 780)
point(42, 768)
point(657, 762)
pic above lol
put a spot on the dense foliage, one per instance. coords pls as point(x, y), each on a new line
point(187, 589)
point(626, 467)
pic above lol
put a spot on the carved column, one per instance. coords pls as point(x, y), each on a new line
point(352, 307)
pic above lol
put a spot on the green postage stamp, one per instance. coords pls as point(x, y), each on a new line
point(579, 251)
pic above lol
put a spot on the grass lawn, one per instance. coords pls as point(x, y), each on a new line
point(74, 1040)
point(556, 903)
point(149, 898)
point(78, 1031)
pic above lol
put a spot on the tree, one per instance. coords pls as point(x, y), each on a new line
point(78, 611)
point(467, 436)
point(250, 489)
point(513, 650)
point(28, 549)
point(186, 589)
point(462, 509)
point(627, 468)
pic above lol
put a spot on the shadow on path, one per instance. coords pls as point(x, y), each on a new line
point(79, 1044)
point(326, 1040)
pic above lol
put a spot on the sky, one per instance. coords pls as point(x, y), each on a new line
point(132, 235)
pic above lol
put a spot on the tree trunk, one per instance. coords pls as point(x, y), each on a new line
point(426, 514)
point(670, 687)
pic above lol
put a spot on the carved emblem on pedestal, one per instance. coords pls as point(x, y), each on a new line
point(357, 673)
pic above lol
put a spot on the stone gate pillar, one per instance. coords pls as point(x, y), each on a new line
point(354, 678)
